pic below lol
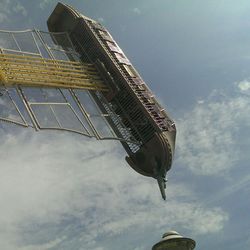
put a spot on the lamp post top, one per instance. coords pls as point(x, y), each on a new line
point(174, 241)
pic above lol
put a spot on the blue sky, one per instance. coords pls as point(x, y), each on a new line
point(62, 191)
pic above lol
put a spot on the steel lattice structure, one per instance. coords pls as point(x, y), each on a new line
point(77, 78)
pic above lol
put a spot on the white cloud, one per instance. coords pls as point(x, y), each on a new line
point(248, 241)
point(230, 190)
point(101, 19)
point(139, 248)
point(136, 11)
point(211, 135)
point(200, 101)
point(46, 246)
point(44, 3)
point(7, 8)
point(4, 10)
point(66, 192)
point(244, 86)
point(18, 8)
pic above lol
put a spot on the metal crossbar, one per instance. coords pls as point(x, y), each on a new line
point(33, 71)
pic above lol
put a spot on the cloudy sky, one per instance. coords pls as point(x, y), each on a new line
point(63, 191)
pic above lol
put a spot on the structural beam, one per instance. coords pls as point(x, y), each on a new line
point(33, 71)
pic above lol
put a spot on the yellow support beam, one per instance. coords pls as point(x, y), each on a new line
point(33, 71)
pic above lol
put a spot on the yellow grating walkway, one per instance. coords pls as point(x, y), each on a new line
point(40, 72)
